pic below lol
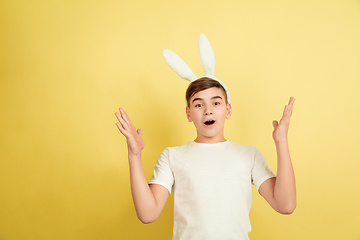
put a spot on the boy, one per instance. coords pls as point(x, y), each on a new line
point(211, 176)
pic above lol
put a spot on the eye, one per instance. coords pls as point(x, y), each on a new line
point(198, 105)
point(216, 103)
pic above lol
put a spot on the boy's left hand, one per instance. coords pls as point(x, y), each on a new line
point(281, 128)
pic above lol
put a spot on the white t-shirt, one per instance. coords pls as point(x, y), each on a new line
point(212, 188)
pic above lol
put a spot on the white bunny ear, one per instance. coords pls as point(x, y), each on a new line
point(178, 65)
point(207, 55)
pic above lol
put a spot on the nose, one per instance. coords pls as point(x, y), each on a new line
point(208, 111)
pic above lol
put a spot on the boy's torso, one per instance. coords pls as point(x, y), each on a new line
point(212, 189)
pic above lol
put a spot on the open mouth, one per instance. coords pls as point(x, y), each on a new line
point(209, 122)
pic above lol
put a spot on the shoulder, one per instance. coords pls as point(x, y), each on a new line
point(176, 149)
point(251, 152)
point(184, 147)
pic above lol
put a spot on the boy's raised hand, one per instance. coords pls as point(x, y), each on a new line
point(281, 128)
point(134, 138)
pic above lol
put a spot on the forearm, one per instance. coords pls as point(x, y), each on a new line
point(144, 200)
point(285, 189)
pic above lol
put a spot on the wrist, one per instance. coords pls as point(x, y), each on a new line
point(281, 142)
point(134, 157)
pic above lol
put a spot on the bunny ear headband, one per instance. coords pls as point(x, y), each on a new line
point(207, 57)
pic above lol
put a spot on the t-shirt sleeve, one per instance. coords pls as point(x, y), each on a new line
point(162, 172)
point(261, 170)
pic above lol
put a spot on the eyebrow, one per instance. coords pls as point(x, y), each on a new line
point(200, 99)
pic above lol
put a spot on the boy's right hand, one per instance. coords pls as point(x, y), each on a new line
point(134, 137)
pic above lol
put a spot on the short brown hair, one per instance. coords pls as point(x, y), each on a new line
point(202, 84)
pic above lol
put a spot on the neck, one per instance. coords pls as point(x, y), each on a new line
point(204, 139)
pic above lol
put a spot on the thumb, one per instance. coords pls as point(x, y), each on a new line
point(139, 132)
point(275, 124)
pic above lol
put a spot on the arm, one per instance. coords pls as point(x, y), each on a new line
point(280, 192)
point(148, 200)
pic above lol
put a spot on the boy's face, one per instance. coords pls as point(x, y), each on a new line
point(208, 111)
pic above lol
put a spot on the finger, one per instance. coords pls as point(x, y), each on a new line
point(124, 124)
point(286, 112)
point(125, 116)
point(275, 124)
point(118, 116)
point(139, 131)
point(121, 120)
point(288, 109)
point(122, 130)
point(122, 112)
point(291, 103)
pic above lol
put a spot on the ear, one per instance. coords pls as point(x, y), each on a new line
point(188, 114)
point(228, 111)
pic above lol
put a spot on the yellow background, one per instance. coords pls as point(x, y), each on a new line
point(66, 66)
